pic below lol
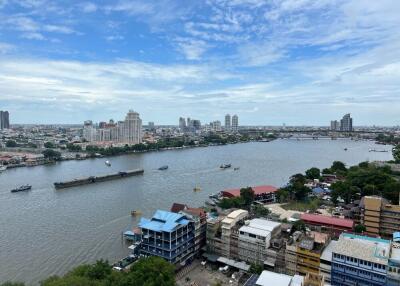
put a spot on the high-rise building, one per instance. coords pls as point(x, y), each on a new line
point(151, 126)
point(346, 123)
point(235, 122)
point(335, 125)
point(182, 123)
point(4, 120)
point(215, 125)
point(89, 132)
point(132, 128)
point(228, 122)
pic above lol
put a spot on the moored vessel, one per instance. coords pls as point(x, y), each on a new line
point(22, 188)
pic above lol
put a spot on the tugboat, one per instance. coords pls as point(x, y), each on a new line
point(162, 168)
point(225, 166)
point(135, 212)
point(22, 189)
point(108, 163)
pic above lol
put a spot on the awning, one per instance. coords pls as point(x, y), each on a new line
point(211, 257)
point(239, 265)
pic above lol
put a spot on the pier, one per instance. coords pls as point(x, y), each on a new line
point(97, 179)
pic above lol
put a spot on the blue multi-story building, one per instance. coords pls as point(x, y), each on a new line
point(393, 277)
point(168, 235)
point(360, 260)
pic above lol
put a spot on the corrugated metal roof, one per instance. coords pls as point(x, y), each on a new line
point(163, 221)
point(327, 220)
point(258, 190)
point(268, 278)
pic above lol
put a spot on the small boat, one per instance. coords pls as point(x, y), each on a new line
point(22, 189)
point(345, 149)
point(135, 212)
point(108, 163)
point(162, 168)
point(236, 169)
point(3, 168)
point(196, 189)
point(225, 166)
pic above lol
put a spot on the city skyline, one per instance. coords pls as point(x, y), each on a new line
point(271, 62)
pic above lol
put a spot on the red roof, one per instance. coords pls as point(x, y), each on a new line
point(327, 220)
point(258, 190)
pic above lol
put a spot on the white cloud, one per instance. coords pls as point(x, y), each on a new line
point(88, 7)
point(192, 49)
point(33, 36)
point(5, 48)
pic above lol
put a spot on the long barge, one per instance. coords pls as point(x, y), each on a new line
point(97, 179)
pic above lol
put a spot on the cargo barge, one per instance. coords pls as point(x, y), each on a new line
point(97, 179)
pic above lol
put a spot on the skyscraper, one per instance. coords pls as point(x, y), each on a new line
point(132, 128)
point(4, 120)
point(346, 124)
point(235, 122)
point(182, 123)
point(89, 132)
point(335, 126)
point(228, 122)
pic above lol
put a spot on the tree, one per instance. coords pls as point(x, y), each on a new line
point(298, 226)
point(51, 154)
point(282, 195)
point(396, 153)
point(359, 228)
point(339, 167)
point(12, 284)
point(152, 271)
point(49, 145)
point(313, 173)
point(256, 269)
point(11, 143)
point(247, 195)
point(261, 211)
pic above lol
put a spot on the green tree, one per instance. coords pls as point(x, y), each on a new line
point(256, 268)
point(338, 166)
point(313, 173)
point(152, 271)
point(359, 228)
point(247, 195)
point(49, 145)
point(298, 226)
point(261, 211)
point(51, 154)
point(11, 143)
point(396, 153)
point(8, 283)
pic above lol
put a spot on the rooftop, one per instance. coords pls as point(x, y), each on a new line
point(163, 221)
point(268, 278)
point(334, 221)
point(258, 190)
point(371, 249)
point(327, 253)
point(234, 216)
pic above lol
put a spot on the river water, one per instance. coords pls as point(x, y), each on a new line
point(46, 231)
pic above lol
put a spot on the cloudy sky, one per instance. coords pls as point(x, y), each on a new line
point(299, 62)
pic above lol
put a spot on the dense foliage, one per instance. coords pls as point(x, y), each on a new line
point(313, 173)
point(152, 271)
point(245, 200)
point(11, 143)
point(295, 190)
point(49, 145)
point(396, 154)
point(51, 154)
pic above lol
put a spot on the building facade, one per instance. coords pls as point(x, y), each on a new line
point(346, 123)
point(4, 120)
point(379, 216)
point(360, 260)
point(228, 122)
point(235, 123)
point(168, 235)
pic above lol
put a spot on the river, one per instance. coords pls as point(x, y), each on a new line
point(46, 231)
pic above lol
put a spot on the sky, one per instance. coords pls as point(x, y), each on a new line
point(298, 62)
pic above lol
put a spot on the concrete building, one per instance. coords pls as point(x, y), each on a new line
point(4, 120)
point(235, 123)
point(182, 123)
point(132, 128)
point(229, 232)
point(168, 235)
point(228, 123)
point(360, 260)
point(325, 266)
point(215, 126)
point(393, 274)
point(379, 216)
point(89, 131)
point(255, 238)
point(346, 123)
point(326, 224)
point(335, 125)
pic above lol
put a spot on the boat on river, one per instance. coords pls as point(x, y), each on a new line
point(225, 166)
point(3, 168)
point(135, 212)
point(196, 189)
point(162, 168)
point(108, 163)
point(22, 188)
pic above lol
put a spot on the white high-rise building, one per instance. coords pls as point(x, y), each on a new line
point(235, 122)
point(89, 132)
point(228, 122)
point(132, 128)
point(182, 123)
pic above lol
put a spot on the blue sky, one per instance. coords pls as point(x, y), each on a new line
point(299, 62)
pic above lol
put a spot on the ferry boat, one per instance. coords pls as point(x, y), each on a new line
point(225, 166)
point(162, 168)
point(22, 189)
